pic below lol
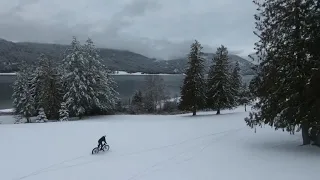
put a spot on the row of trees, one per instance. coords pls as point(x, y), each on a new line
point(222, 89)
point(287, 85)
point(79, 85)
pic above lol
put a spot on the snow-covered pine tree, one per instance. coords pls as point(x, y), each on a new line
point(47, 87)
point(36, 83)
point(101, 86)
point(236, 82)
point(221, 93)
point(313, 88)
point(22, 97)
point(42, 117)
point(74, 65)
point(285, 49)
point(193, 90)
point(63, 112)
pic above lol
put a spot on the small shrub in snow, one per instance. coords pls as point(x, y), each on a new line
point(41, 118)
point(63, 112)
point(18, 119)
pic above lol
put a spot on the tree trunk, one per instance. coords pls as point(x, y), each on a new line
point(28, 119)
point(245, 107)
point(218, 111)
point(194, 111)
point(317, 140)
point(305, 134)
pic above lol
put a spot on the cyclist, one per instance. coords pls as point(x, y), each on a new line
point(102, 139)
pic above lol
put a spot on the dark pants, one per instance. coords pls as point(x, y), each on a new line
point(100, 145)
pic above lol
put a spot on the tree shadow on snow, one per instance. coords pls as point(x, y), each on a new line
point(292, 147)
point(206, 114)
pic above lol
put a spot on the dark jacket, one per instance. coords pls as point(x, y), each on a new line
point(102, 139)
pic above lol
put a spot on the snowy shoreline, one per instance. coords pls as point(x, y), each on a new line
point(8, 74)
point(4, 112)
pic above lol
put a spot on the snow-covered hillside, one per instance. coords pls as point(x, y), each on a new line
point(145, 147)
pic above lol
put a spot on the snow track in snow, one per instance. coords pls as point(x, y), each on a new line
point(149, 147)
point(61, 165)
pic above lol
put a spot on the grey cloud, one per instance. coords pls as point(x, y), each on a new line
point(20, 6)
point(155, 28)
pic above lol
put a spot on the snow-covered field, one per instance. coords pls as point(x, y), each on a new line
point(145, 147)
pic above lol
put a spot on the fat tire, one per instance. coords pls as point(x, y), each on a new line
point(95, 150)
point(106, 147)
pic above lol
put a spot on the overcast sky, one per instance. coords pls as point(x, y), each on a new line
point(155, 28)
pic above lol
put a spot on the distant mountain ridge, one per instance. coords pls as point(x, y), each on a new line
point(11, 54)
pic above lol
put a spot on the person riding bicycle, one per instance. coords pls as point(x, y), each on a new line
point(102, 139)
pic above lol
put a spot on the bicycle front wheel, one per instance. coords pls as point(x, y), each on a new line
point(106, 147)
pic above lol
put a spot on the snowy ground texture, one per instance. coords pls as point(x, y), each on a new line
point(143, 147)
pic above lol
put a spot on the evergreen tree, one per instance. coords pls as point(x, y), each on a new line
point(221, 92)
point(137, 98)
point(137, 102)
point(313, 87)
point(287, 63)
point(101, 86)
point(119, 106)
point(77, 93)
point(236, 82)
point(63, 112)
point(23, 102)
point(46, 87)
point(42, 117)
point(36, 83)
point(193, 95)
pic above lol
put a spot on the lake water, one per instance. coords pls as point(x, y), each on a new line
point(127, 85)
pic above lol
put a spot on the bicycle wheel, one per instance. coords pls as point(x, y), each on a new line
point(95, 150)
point(106, 147)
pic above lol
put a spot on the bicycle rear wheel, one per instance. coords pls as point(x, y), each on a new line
point(95, 150)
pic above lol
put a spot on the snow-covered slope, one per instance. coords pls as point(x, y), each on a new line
point(145, 147)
